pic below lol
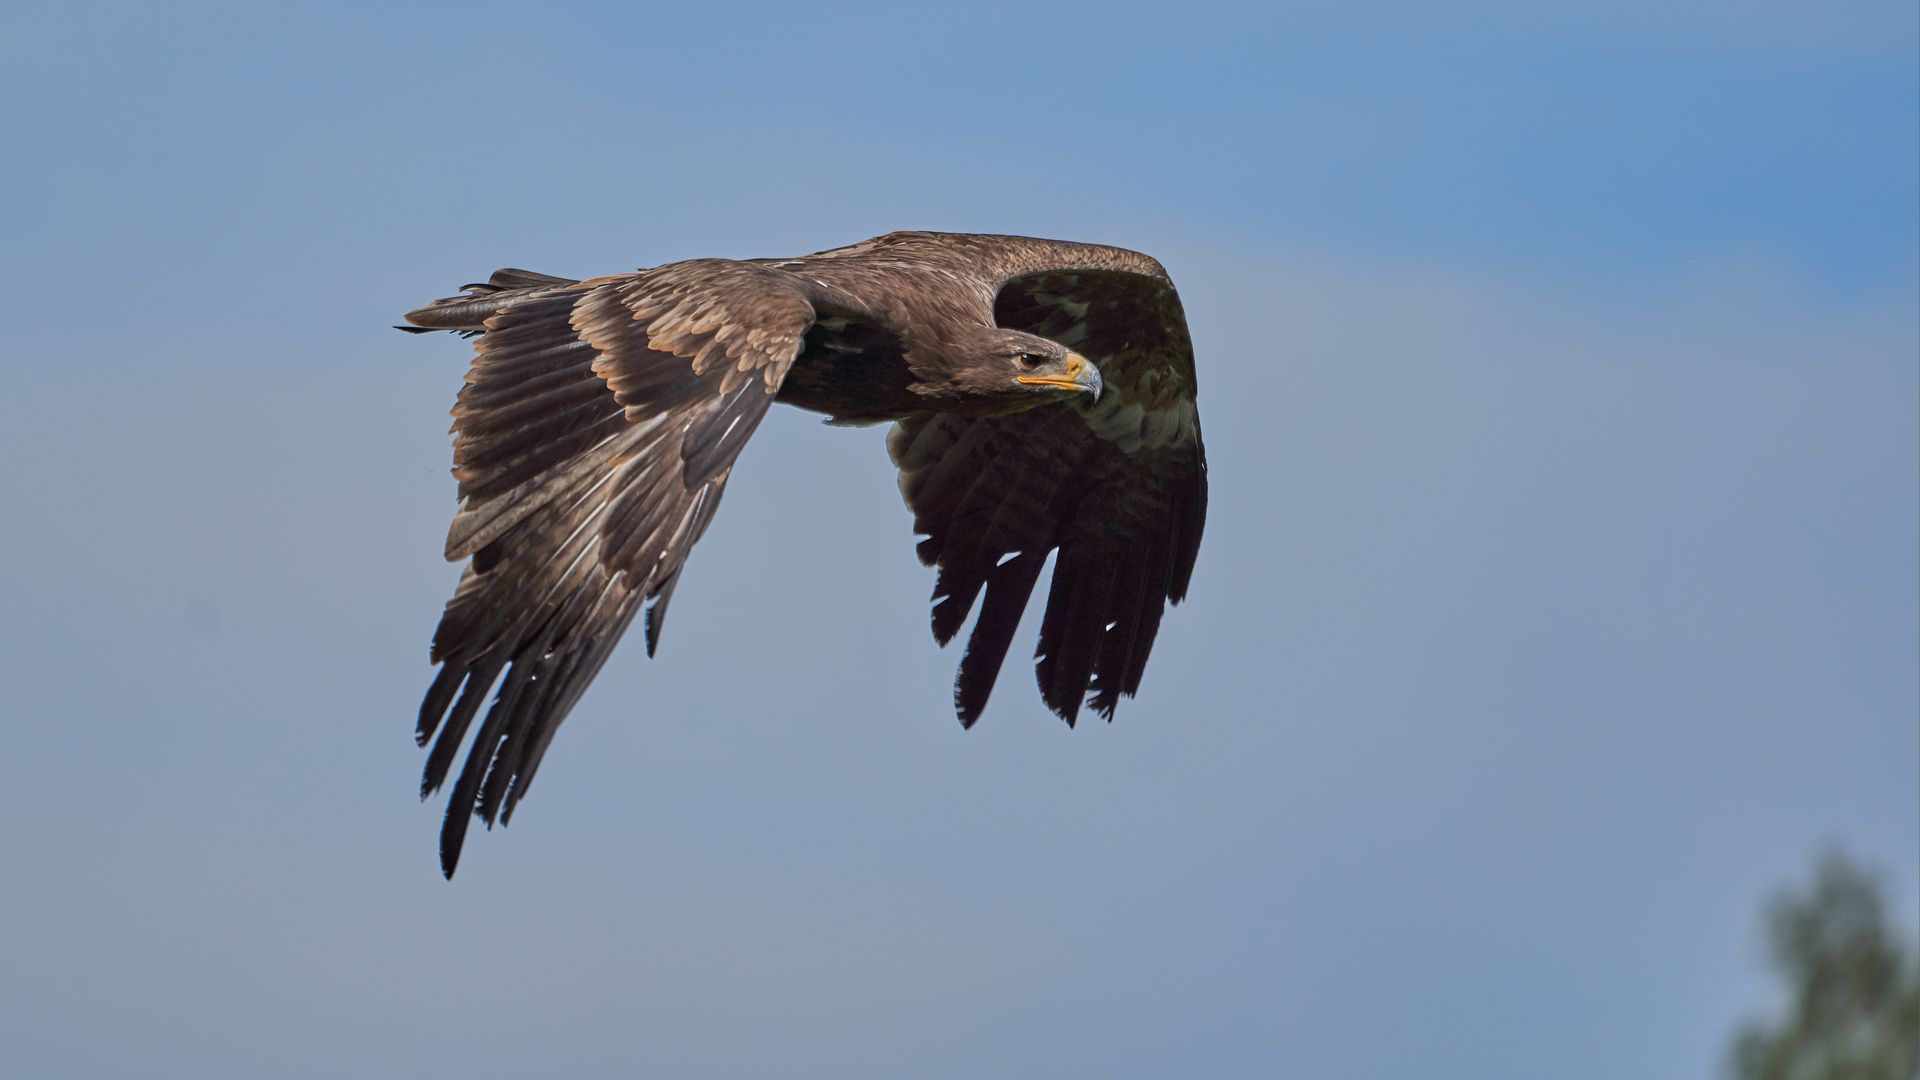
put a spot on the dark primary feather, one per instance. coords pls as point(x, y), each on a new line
point(601, 419)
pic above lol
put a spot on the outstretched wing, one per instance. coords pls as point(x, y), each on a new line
point(1118, 487)
point(592, 444)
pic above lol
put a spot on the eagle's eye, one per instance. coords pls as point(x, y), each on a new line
point(1028, 361)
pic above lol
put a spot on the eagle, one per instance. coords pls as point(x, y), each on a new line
point(1042, 397)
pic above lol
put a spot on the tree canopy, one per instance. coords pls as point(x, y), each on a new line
point(1853, 1008)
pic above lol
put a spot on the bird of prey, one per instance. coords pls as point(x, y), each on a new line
point(1042, 396)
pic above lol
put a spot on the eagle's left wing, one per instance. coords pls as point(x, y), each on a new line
point(593, 441)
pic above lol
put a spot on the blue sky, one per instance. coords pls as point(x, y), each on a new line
point(1557, 603)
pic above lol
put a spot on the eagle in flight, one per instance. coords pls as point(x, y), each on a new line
point(1042, 396)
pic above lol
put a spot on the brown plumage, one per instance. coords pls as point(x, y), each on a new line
point(1043, 398)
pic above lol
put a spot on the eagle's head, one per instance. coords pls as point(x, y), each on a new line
point(990, 370)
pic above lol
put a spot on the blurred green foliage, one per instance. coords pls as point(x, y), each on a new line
point(1853, 1011)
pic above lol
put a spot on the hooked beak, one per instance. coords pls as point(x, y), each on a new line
point(1082, 374)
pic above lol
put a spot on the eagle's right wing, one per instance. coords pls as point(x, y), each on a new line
point(1119, 487)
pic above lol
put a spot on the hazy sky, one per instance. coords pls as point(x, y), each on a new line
point(1558, 599)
